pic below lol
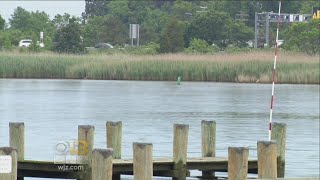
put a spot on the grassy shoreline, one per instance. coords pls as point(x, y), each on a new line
point(252, 67)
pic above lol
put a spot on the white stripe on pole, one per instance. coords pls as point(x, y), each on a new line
point(274, 71)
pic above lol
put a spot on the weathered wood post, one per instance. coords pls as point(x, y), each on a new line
point(238, 163)
point(278, 133)
point(85, 146)
point(8, 163)
point(208, 143)
point(114, 138)
point(142, 161)
point(180, 145)
point(267, 159)
point(17, 139)
point(102, 164)
point(114, 141)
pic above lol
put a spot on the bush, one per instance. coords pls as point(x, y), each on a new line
point(199, 46)
point(235, 49)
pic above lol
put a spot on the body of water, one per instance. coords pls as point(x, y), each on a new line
point(53, 109)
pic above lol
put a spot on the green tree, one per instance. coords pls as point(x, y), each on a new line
point(95, 8)
point(303, 37)
point(34, 46)
point(5, 41)
point(28, 25)
point(119, 9)
point(180, 8)
point(68, 38)
point(218, 28)
point(153, 25)
point(105, 29)
point(30, 21)
point(306, 6)
point(2, 23)
point(172, 39)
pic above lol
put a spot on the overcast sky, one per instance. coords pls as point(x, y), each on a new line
point(75, 7)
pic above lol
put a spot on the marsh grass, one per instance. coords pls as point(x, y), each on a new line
point(252, 67)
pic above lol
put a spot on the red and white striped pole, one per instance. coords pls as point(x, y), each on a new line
point(274, 71)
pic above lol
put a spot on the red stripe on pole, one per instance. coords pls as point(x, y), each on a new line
point(274, 70)
point(270, 126)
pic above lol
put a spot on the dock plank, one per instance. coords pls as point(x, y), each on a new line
point(161, 167)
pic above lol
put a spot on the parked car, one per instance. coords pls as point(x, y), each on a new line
point(104, 45)
point(25, 43)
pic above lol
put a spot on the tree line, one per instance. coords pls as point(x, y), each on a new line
point(168, 26)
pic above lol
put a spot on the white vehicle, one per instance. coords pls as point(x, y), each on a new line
point(25, 43)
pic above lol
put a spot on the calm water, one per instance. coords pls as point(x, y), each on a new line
point(52, 110)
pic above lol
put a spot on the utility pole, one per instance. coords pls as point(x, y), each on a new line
point(262, 25)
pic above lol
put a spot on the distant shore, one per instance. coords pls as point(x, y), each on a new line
point(252, 67)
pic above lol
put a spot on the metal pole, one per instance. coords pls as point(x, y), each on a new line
point(131, 34)
point(274, 72)
point(138, 34)
point(256, 30)
point(268, 29)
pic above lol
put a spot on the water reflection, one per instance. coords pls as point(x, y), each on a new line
point(52, 109)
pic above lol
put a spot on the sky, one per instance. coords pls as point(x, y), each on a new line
point(75, 7)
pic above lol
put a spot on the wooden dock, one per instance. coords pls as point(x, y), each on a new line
point(107, 164)
point(161, 167)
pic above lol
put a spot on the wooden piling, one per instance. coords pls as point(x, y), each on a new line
point(102, 164)
point(142, 161)
point(114, 138)
point(267, 159)
point(180, 145)
point(208, 143)
point(114, 141)
point(17, 138)
point(10, 171)
point(85, 147)
point(278, 133)
point(237, 163)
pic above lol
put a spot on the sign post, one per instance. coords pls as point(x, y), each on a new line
point(134, 33)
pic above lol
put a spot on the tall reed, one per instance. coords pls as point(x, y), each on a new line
point(246, 67)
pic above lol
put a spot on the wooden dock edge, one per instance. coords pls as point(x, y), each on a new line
point(308, 178)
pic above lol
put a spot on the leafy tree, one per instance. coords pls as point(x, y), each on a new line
point(34, 46)
point(180, 8)
point(16, 35)
point(306, 6)
point(60, 21)
point(172, 37)
point(30, 21)
point(153, 25)
point(5, 41)
point(105, 29)
point(27, 25)
point(303, 37)
point(119, 9)
point(2, 23)
point(68, 38)
point(95, 8)
point(218, 28)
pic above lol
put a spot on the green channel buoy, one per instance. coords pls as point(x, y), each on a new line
point(178, 80)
